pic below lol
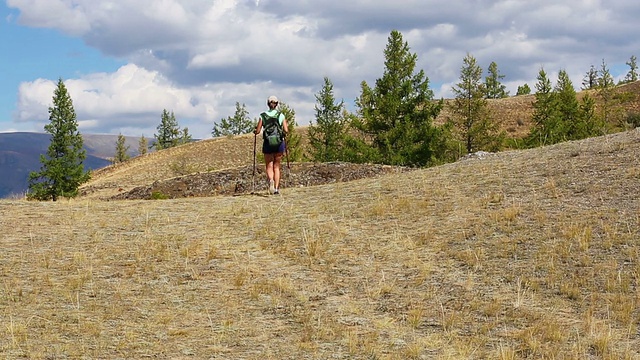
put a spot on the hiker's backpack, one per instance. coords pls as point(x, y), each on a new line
point(273, 132)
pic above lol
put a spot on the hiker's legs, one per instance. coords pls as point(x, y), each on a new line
point(268, 161)
point(276, 169)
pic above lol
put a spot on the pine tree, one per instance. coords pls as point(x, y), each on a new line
point(185, 137)
point(494, 87)
point(168, 131)
point(606, 86)
point(239, 123)
point(523, 90)
point(632, 75)
point(471, 116)
point(326, 136)
point(62, 170)
point(543, 112)
point(397, 114)
point(589, 123)
point(143, 145)
point(590, 80)
point(121, 150)
point(566, 124)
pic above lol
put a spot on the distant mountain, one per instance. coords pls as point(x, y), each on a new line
point(20, 154)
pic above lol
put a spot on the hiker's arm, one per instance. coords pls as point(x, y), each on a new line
point(285, 127)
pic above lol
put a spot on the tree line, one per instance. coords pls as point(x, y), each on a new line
point(394, 121)
point(393, 124)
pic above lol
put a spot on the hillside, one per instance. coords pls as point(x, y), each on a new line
point(517, 255)
point(228, 155)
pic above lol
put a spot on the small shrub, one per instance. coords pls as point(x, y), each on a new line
point(182, 167)
point(633, 119)
point(157, 195)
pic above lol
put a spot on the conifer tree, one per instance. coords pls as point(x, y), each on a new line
point(589, 123)
point(239, 123)
point(543, 111)
point(632, 75)
point(493, 83)
point(62, 170)
point(396, 115)
point(121, 150)
point(143, 145)
point(606, 86)
point(566, 110)
point(168, 131)
point(326, 135)
point(185, 137)
point(523, 90)
point(471, 116)
point(590, 80)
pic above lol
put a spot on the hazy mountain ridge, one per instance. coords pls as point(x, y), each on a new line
point(20, 154)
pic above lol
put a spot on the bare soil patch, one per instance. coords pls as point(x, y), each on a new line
point(247, 179)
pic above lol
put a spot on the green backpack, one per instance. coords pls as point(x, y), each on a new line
point(273, 132)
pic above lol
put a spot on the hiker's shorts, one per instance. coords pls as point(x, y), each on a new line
point(268, 149)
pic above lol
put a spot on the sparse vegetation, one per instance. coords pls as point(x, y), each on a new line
point(523, 254)
point(121, 150)
point(526, 254)
point(239, 123)
point(169, 132)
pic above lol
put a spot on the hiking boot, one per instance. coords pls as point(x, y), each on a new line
point(272, 188)
point(277, 192)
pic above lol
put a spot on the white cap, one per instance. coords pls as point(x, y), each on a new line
point(272, 98)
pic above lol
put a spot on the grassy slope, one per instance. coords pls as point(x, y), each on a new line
point(203, 155)
point(523, 254)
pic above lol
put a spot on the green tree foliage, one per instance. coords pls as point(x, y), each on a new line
point(169, 133)
point(326, 136)
point(396, 116)
point(559, 116)
point(239, 123)
point(185, 137)
point(495, 89)
point(523, 90)
point(293, 140)
point(471, 116)
point(62, 170)
point(543, 112)
point(590, 80)
point(632, 75)
point(589, 124)
point(606, 86)
point(567, 117)
point(143, 145)
point(121, 150)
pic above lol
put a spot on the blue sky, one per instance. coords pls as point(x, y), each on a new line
point(31, 53)
point(124, 62)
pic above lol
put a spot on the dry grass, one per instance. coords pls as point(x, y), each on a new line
point(523, 254)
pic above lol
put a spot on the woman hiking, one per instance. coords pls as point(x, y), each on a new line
point(275, 127)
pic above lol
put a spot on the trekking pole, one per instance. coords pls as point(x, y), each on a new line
point(253, 179)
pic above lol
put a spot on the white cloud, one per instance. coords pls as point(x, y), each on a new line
point(199, 57)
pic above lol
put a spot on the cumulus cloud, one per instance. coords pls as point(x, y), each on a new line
point(199, 57)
